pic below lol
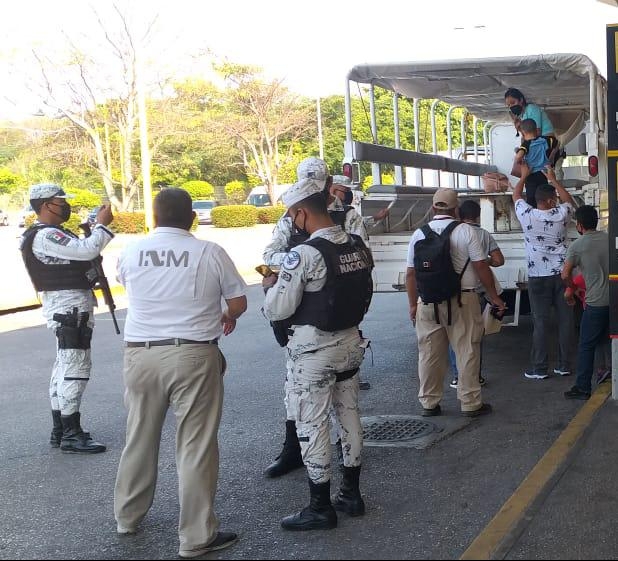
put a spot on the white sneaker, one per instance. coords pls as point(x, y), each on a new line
point(125, 531)
point(531, 374)
point(453, 383)
point(561, 372)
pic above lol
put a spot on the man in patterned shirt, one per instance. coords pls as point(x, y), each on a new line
point(545, 237)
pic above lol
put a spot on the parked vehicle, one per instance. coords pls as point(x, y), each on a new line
point(258, 196)
point(4, 219)
point(26, 212)
point(568, 86)
point(202, 209)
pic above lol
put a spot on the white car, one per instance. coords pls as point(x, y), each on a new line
point(4, 218)
point(202, 209)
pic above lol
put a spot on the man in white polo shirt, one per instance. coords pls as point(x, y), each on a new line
point(175, 284)
point(457, 320)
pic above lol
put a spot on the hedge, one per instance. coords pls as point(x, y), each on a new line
point(270, 214)
point(128, 223)
point(233, 216)
point(71, 224)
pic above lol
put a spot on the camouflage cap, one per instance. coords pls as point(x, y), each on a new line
point(342, 180)
point(312, 168)
point(47, 191)
point(302, 190)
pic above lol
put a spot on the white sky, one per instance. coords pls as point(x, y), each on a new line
point(312, 44)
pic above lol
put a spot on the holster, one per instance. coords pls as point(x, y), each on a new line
point(280, 329)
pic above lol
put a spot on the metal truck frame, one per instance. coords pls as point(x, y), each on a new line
point(568, 86)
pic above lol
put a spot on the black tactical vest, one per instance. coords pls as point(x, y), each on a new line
point(345, 298)
point(46, 276)
point(337, 216)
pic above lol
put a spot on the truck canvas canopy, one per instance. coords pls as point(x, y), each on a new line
point(558, 82)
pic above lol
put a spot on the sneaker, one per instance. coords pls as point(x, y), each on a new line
point(562, 371)
point(453, 383)
point(482, 380)
point(482, 410)
point(221, 541)
point(362, 385)
point(532, 375)
point(603, 374)
point(576, 393)
point(432, 412)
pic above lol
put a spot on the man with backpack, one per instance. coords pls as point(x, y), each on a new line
point(445, 264)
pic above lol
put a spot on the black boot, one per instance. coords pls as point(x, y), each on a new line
point(349, 498)
point(74, 439)
point(290, 457)
point(319, 515)
point(56, 433)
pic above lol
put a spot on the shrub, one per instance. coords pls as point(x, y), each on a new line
point(270, 214)
point(199, 189)
point(233, 216)
point(236, 191)
point(128, 223)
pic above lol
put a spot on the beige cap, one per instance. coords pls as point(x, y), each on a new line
point(445, 199)
point(302, 190)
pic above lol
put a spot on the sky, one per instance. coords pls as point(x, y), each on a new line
point(309, 45)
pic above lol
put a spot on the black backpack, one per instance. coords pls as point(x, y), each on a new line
point(436, 278)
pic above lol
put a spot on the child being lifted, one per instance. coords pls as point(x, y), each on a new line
point(534, 151)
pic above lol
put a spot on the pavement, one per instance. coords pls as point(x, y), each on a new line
point(534, 480)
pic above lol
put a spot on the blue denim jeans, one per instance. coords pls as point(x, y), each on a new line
point(545, 292)
point(593, 329)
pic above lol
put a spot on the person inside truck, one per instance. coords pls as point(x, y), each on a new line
point(343, 191)
point(520, 110)
point(534, 151)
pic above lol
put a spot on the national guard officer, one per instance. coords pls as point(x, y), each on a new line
point(323, 292)
point(286, 236)
point(59, 265)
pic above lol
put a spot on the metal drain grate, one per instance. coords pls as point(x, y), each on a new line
point(396, 428)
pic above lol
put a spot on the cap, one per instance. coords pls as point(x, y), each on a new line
point(312, 168)
point(445, 198)
point(47, 191)
point(302, 190)
point(342, 180)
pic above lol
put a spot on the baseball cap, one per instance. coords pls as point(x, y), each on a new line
point(445, 198)
point(342, 180)
point(47, 191)
point(312, 168)
point(302, 190)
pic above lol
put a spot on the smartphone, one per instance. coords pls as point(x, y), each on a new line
point(264, 270)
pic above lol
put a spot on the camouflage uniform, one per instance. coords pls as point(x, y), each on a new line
point(314, 358)
point(276, 250)
point(71, 369)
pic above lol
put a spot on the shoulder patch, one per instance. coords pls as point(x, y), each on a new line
point(291, 261)
point(58, 237)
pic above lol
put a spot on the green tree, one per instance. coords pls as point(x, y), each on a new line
point(9, 181)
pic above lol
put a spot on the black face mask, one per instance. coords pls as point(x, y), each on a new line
point(348, 198)
point(298, 228)
point(516, 110)
point(65, 211)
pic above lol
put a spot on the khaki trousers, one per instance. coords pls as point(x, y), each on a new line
point(189, 378)
point(464, 335)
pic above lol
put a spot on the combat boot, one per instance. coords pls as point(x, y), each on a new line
point(56, 433)
point(74, 439)
point(290, 457)
point(319, 515)
point(349, 499)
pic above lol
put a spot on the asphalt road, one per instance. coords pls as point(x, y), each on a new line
point(421, 504)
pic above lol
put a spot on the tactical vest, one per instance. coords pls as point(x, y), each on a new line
point(45, 276)
point(337, 216)
point(344, 300)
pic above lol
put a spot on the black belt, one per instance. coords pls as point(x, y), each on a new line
point(164, 342)
point(468, 289)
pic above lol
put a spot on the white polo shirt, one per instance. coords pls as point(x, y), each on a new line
point(175, 284)
point(464, 244)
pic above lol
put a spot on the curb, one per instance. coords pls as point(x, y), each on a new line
point(497, 538)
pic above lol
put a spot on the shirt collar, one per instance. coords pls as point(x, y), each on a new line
point(168, 230)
